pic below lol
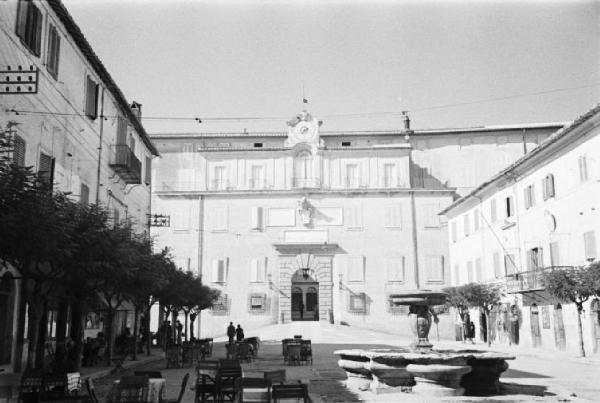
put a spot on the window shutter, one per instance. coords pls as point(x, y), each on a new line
point(583, 168)
point(493, 213)
point(469, 272)
point(22, 12)
point(84, 194)
point(496, 262)
point(91, 105)
point(589, 240)
point(254, 270)
point(395, 268)
point(36, 29)
point(121, 130)
point(526, 197)
point(19, 151)
point(454, 235)
point(148, 174)
point(264, 269)
point(476, 220)
point(46, 168)
point(554, 254)
point(550, 192)
point(257, 218)
point(509, 264)
point(53, 51)
point(466, 225)
point(478, 270)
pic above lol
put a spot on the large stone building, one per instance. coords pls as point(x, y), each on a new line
point(540, 213)
point(315, 225)
point(70, 122)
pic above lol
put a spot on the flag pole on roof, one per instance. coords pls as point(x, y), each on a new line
point(304, 100)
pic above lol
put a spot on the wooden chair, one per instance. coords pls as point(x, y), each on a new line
point(227, 386)
point(244, 352)
point(255, 342)
point(292, 391)
point(89, 385)
point(55, 386)
point(232, 351)
point(306, 352)
point(276, 376)
point(224, 363)
point(132, 389)
point(32, 386)
point(253, 389)
point(293, 354)
point(206, 380)
point(149, 374)
point(181, 391)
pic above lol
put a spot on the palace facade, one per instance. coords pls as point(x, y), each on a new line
point(315, 225)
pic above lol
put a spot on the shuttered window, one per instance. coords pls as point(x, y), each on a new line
point(469, 272)
point(358, 303)
point(497, 268)
point(19, 151)
point(432, 219)
point(475, 220)
point(91, 98)
point(529, 196)
point(121, 131)
point(53, 55)
point(535, 258)
point(434, 267)
point(589, 241)
point(478, 270)
point(393, 216)
point(219, 270)
point(395, 268)
point(583, 168)
point(46, 168)
point(493, 212)
point(354, 217)
point(554, 254)
point(509, 206)
point(466, 225)
point(356, 268)
point(548, 187)
point(453, 231)
point(29, 26)
point(84, 194)
point(258, 270)
point(148, 173)
point(219, 219)
point(510, 264)
point(256, 218)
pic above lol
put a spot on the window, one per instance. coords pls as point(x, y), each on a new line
point(548, 187)
point(219, 178)
point(434, 267)
point(219, 270)
point(493, 212)
point(258, 270)
point(187, 148)
point(535, 259)
point(456, 275)
point(352, 176)
point(53, 55)
point(29, 26)
point(219, 219)
point(258, 145)
point(19, 151)
point(354, 218)
point(393, 216)
point(510, 265)
point(466, 225)
point(583, 168)
point(529, 196)
point(346, 143)
point(453, 231)
point(221, 305)
point(478, 270)
point(303, 168)
point(469, 272)
point(390, 175)
point(257, 177)
point(257, 218)
point(257, 303)
point(589, 241)
point(475, 220)
point(46, 169)
point(148, 172)
point(358, 303)
point(356, 268)
point(509, 206)
point(497, 268)
point(180, 219)
point(84, 194)
point(121, 131)
point(91, 98)
point(395, 268)
point(432, 219)
point(554, 254)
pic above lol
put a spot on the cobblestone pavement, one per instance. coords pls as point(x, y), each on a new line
point(533, 376)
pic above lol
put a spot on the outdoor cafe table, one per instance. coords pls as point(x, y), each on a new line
point(156, 391)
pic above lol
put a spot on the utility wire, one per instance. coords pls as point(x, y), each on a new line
point(330, 116)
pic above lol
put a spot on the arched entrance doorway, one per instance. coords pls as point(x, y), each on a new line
point(595, 317)
point(7, 307)
point(534, 320)
point(305, 297)
point(559, 328)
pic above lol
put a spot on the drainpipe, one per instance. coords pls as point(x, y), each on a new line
point(524, 137)
point(100, 147)
point(413, 215)
point(200, 251)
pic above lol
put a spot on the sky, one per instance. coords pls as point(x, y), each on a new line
point(358, 63)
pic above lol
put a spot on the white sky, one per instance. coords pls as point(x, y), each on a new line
point(230, 59)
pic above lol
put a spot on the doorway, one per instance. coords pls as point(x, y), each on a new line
point(595, 308)
point(305, 298)
point(7, 306)
point(534, 320)
point(560, 339)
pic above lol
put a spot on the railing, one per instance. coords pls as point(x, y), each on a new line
point(124, 162)
point(219, 184)
point(257, 183)
point(529, 280)
point(306, 182)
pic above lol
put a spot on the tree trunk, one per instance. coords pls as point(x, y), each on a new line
point(77, 316)
point(135, 334)
point(185, 329)
point(487, 327)
point(579, 328)
point(40, 353)
point(147, 330)
point(108, 324)
point(192, 320)
point(21, 329)
point(61, 334)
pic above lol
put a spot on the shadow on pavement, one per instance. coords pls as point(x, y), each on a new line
point(520, 389)
point(514, 373)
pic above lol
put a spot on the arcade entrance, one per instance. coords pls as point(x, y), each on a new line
point(305, 297)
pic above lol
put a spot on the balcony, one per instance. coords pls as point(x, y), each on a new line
point(306, 183)
point(220, 184)
point(528, 281)
point(124, 162)
point(257, 183)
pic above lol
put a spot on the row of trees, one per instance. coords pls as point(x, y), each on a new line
point(72, 256)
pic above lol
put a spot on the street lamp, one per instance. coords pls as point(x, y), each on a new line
point(304, 263)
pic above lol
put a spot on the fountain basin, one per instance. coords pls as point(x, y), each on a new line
point(434, 373)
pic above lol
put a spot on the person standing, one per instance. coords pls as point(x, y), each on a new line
point(231, 332)
point(179, 330)
point(239, 333)
point(301, 307)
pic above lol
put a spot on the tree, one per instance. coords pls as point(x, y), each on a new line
point(572, 285)
point(593, 278)
point(456, 299)
point(484, 297)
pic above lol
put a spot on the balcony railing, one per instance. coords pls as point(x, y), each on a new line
point(529, 280)
point(219, 184)
point(306, 182)
point(124, 162)
point(257, 183)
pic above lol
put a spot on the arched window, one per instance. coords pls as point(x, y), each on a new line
point(303, 168)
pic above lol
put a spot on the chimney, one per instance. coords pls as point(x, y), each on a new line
point(136, 108)
point(406, 128)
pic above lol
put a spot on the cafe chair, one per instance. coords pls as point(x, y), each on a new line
point(181, 391)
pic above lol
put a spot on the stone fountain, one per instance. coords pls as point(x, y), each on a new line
point(420, 368)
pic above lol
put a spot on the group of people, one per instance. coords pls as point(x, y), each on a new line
point(93, 350)
point(233, 332)
point(166, 333)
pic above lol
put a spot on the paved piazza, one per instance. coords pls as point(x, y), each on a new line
point(537, 375)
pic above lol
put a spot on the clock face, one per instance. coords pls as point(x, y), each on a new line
point(303, 131)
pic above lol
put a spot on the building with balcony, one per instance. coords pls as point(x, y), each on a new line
point(540, 213)
point(337, 220)
point(71, 123)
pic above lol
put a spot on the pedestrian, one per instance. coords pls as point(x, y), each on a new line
point(179, 328)
point(301, 307)
point(231, 332)
point(239, 333)
point(471, 332)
